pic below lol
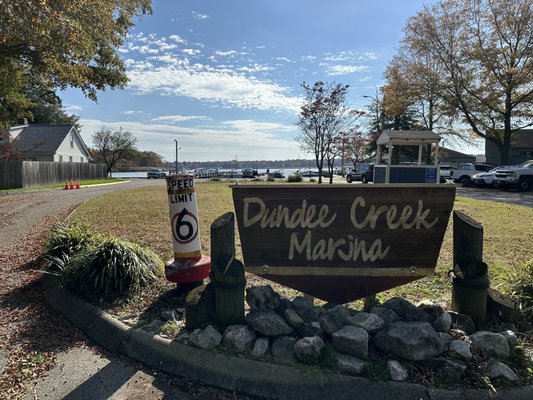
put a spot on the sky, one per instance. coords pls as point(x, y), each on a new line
point(223, 78)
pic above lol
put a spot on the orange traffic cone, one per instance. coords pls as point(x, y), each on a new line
point(71, 184)
point(78, 184)
point(66, 185)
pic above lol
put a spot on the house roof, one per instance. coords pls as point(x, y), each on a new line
point(408, 137)
point(41, 138)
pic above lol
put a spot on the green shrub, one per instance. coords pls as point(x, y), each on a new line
point(112, 268)
point(522, 288)
point(294, 178)
point(271, 179)
point(67, 238)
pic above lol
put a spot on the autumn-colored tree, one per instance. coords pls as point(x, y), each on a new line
point(62, 43)
point(112, 147)
point(323, 118)
point(484, 53)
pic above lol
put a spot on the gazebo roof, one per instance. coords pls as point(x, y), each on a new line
point(408, 137)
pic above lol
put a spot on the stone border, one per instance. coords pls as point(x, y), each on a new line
point(240, 375)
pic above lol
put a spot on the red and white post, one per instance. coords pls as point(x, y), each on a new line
point(189, 266)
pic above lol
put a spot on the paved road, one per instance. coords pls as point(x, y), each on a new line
point(81, 372)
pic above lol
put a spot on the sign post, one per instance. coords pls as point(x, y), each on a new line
point(189, 266)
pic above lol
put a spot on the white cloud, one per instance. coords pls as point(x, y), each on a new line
point(132, 112)
point(199, 16)
point(339, 69)
point(72, 107)
point(198, 82)
point(249, 140)
point(176, 38)
point(179, 118)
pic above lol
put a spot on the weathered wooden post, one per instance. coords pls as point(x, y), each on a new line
point(470, 282)
point(227, 273)
point(221, 302)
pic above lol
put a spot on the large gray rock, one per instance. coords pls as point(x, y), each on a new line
point(351, 340)
point(312, 314)
point(406, 311)
point(368, 321)
point(239, 338)
point(462, 349)
point(411, 340)
point(349, 365)
point(260, 347)
point(329, 323)
point(397, 371)
point(497, 369)
point(262, 298)
point(207, 338)
point(283, 349)
point(302, 303)
point(293, 318)
point(490, 344)
point(339, 313)
point(268, 323)
point(511, 338)
point(443, 323)
point(310, 329)
point(309, 349)
point(386, 314)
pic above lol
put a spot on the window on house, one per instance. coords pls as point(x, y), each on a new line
point(60, 158)
point(69, 158)
point(82, 159)
point(71, 140)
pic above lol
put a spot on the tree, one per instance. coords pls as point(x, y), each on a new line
point(112, 147)
point(63, 43)
point(484, 49)
point(324, 116)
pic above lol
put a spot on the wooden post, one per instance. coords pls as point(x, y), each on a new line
point(470, 283)
point(227, 273)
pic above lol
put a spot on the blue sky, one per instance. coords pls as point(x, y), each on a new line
point(223, 77)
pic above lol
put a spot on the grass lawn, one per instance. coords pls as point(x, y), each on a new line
point(141, 215)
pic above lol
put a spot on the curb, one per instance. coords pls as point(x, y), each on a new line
point(239, 375)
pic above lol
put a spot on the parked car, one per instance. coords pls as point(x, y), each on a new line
point(518, 176)
point(155, 174)
point(278, 174)
point(362, 172)
point(249, 173)
point(466, 171)
point(485, 179)
point(446, 171)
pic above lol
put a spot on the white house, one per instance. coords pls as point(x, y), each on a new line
point(56, 143)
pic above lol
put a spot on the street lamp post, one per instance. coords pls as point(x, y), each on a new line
point(177, 148)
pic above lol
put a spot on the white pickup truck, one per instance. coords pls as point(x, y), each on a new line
point(518, 176)
point(465, 172)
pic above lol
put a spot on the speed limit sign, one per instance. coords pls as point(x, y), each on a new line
point(183, 216)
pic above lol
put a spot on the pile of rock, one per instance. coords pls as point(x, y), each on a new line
point(426, 336)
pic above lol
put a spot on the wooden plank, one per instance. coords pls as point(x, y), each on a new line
point(392, 232)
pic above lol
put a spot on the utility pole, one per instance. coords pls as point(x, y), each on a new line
point(177, 148)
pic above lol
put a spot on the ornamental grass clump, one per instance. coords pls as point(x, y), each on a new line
point(65, 240)
point(69, 238)
point(111, 269)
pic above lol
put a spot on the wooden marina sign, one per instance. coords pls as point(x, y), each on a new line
point(342, 242)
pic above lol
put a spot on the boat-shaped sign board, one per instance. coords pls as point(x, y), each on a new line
point(340, 243)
